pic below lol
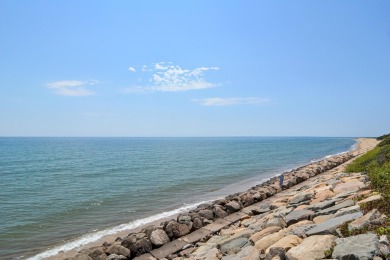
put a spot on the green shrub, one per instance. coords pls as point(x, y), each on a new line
point(382, 137)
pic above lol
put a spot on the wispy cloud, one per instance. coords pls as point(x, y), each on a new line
point(73, 88)
point(217, 101)
point(132, 69)
point(167, 77)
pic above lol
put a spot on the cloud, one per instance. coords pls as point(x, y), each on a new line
point(73, 88)
point(167, 77)
point(132, 69)
point(217, 101)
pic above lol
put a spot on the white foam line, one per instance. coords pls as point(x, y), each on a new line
point(92, 237)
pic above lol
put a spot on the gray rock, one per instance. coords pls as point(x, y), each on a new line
point(361, 247)
point(219, 212)
point(298, 215)
point(314, 247)
point(247, 253)
point(206, 213)
point(301, 230)
point(232, 206)
point(276, 251)
point(335, 208)
point(159, 237)
point(363, 221)
point(96, 254)
point(142, 246)
point(301, 197)
point(260, 210)
point(322, 205)
point(348, 210)
point(176, 230)
point(197, 223)
point(234, 246)
point(118, 250)
point(247, 199)
point(329, 226)
point(278, 222)
point(184, 219)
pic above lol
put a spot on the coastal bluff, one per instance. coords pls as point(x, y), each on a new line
point(305, 218)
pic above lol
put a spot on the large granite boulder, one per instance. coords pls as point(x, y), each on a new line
point(301, 197)
point(362, 247)
point(176, 230)
point(312, 248)
point(259, 235)
point(347, 210)
point(118, 250)
point(206, 213)
point(286, 242)
point(298, 215)
point(158, 238)
point(363, 221)
point(219, 212)
point(330, 225)
point(232, 207)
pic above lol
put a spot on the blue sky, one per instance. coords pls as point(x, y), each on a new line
point(194, 68)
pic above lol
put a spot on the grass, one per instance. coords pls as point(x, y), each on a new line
point(376, 164)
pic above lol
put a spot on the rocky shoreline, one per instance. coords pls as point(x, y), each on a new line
point(300, 220)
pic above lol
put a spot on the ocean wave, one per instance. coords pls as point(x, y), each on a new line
point(92, 237)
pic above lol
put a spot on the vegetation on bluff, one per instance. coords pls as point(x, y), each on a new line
point(376, 163)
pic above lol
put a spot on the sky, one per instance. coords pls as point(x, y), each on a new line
point(194, 68)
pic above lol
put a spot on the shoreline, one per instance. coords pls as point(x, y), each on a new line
point(111, 237)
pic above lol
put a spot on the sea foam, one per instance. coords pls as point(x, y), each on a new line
point(92, 237)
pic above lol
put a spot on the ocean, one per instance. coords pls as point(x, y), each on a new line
point(59, 193)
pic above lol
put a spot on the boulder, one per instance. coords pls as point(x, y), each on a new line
point(347, 210)
point(321, 205)
point(158, 238)
point(247, 253)
point(267, 241)
point(362, 247)
point(206, 213)
point(322, 218)
point(184, 219)
point(330, 225)
point(300, 197)
point(247, 199)
point(143, 246)
point(176, 230)
point(234, 246)
point(118, 250)
point(97, 253)
point(351, 186)
point(370, 199)
point(232, 207)
point(276, 253)
point(363, 221)
point(286, 242)
point(276, 221)
point(219, 212)
point(298, 215)
point(259, 235)
point(312, 248)
point(197, 223)
point(301, 230)
point(335, 208)
point(323, 195)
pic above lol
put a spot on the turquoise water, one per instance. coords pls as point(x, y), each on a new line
point(54, 191)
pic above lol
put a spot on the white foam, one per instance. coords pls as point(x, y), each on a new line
point(92, 237)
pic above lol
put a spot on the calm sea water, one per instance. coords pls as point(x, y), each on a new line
point(57, 193)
